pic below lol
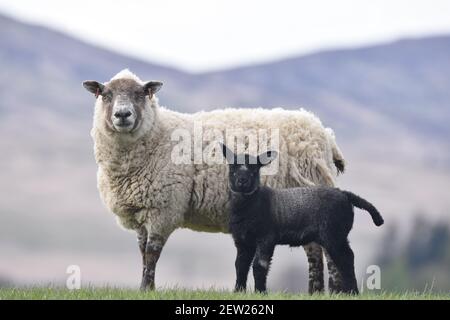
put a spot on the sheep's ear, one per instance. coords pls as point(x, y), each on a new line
point(151, 87)
point(267, 157)
point(228, 154)
point(94, 87)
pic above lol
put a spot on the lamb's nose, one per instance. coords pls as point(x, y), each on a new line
point(122, 114)
point(242, 181)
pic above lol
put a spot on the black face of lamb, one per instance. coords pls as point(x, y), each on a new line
point(244, 178)
point(243, 173)
point(267, 217)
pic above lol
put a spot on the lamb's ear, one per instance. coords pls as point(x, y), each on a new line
point(151, 87)
point(267, 157)
point(93, 87)
point(228, 154)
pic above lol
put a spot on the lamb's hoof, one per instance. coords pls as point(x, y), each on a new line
point(239, 289)
point(261, 291)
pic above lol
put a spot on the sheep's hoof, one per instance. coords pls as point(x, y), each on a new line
point(316, 287)
point(353, 292)
point(147, 286)
point(333, 287)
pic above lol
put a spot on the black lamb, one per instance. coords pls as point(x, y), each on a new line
point(262, 217)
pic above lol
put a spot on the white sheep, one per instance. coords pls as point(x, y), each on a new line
point(140, 182)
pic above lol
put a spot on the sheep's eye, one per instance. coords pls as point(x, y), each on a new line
point(107, 97)
point(140, 95)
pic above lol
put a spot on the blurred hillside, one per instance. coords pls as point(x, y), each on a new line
point(421, 261)
point(388, 104)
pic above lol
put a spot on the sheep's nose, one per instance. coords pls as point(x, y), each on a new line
point(122, 114)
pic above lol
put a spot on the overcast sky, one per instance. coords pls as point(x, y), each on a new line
point(199, 35)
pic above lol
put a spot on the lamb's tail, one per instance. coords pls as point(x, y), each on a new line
point(365, 205)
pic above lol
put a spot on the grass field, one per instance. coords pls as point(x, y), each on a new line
point(180, 294)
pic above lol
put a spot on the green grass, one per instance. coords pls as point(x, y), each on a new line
point(211, 294)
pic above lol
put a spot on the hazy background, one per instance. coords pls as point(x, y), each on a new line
point(377, 72)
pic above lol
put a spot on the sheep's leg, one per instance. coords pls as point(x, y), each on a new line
point(315, 261)
point(142, 236)
point(244, 257)
point(261, 265)
point(325, 178)
point(153, 248)
point(334, 278)
point(344, 259)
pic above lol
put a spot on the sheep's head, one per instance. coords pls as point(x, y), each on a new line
point(122, 102)
point(244, 169)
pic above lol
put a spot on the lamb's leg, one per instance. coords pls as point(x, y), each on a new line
point(153, 248)
point(344, 259)
point(261, 265)
point(244, 257)
point(315, 261)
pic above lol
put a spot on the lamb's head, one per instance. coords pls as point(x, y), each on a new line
point(124, 103)
point(244, 170)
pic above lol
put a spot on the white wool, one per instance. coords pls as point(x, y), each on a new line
point(126, 74)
